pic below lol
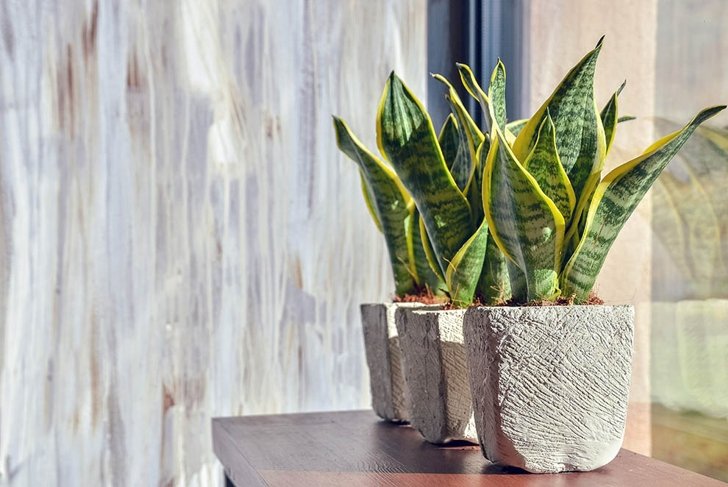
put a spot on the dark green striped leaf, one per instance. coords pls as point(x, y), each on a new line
point(609, 117)
point(524, 222)
point(494, 286)
point(426, 278)
point(474, 89)
point(576, 228)
point(516, 126)
point(463, 272)
point(579, 133)
point(369, 200)
point(614, 200)
point(470, 137)
point(475, 188)
point(519, 286)
point(408, 140)
point(497, 94)
point(449, 140)
point(429, 253)
point(544, 165)
point(389, 202)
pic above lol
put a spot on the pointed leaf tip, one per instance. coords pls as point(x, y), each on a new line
point(599, 43)
point(708, 113)
point(621, 87)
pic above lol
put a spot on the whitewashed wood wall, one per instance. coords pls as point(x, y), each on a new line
point(179, 237)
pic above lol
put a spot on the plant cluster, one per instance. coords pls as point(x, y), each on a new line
point(509, 212)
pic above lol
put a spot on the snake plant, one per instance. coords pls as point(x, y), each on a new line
point(394, 214)
point(514, 212)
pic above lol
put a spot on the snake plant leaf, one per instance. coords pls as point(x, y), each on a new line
point(426, 276)
point(579, 132)
point(517, 281)
point(429, 253)
point(472, 86)
point(544, 165)
point(516, 126)
point(497, 94)
point(463, 272)
point(492, 103)
point(475, 188)
point(474, 89)
point(614, 200)
point(470, 136)
point(525, 223)
point(626, 118)
point(609, 117)
point(388, 199)
point(407, 138)
point(369, 200)
point(449, 140)
point(494, 286)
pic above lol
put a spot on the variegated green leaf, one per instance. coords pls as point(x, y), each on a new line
point(426, 277)
point(516, 126)
point(449, 139)
point(609, 117)
point(476, 91)
point(369, 200)
point(626, 118)
point(463, 273)
point(472, 86)
point(494, 286)
point(575, 229)
point(491, 119)
point(388, 199)
point(517, 280)
point(492, 103)
point(408, 140)
point(470, 136)
point(614, 200)
point(524, 222)
point(579, 131)
point(429, 253)
point(544, 165)
point(475, 188)
point(497, 94)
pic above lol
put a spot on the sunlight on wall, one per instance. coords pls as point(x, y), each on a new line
point(180, 237)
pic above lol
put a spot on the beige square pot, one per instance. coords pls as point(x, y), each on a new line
point(390, 399)
point(436, 374)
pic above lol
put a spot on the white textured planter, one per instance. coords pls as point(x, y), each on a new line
point(436, 374)
point(389, 396)
point(550, 384)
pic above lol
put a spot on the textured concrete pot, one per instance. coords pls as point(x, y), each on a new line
point(550, 384)
point(436, 374)
point(389, 396)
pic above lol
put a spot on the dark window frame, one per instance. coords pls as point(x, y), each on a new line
point(478, 33)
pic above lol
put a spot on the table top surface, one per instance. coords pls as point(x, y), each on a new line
point(354, 448)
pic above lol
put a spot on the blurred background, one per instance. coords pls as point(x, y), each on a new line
point(180, 238)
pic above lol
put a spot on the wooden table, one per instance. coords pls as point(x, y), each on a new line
point(353, 448)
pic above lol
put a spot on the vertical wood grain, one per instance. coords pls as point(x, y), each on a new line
point(179, 236)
